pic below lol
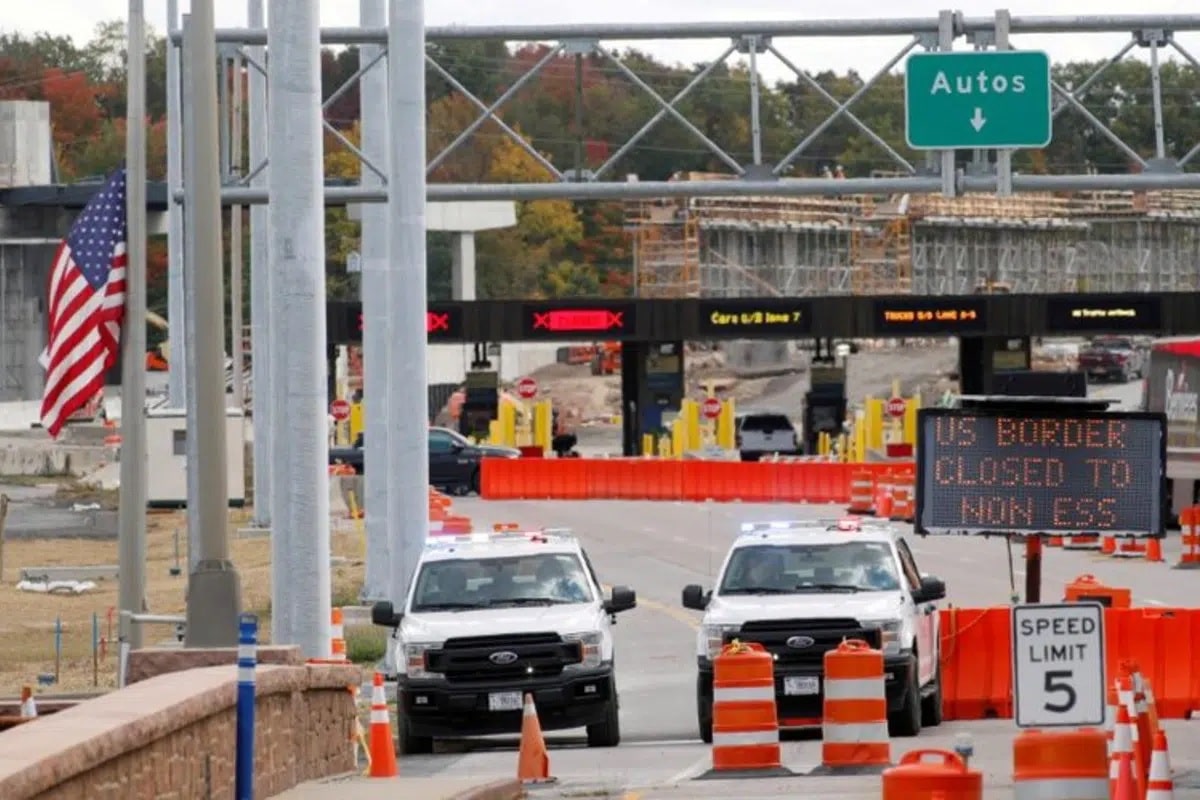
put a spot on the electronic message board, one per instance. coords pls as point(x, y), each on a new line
point(929, 316)
point(578, 320)
point(1033, 471)
point(1104, 314)
point(344, 323)
point(751, 318)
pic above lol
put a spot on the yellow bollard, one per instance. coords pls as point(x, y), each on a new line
point(726, 424)
point(357, 422)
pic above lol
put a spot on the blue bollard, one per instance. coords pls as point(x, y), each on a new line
point(247, 656)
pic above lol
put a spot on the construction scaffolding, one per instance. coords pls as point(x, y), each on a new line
point(924, 244)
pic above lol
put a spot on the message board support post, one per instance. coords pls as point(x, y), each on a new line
point(1033, 569)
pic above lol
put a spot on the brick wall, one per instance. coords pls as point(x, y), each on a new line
point(171, 737)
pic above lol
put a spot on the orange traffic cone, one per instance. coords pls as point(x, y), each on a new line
point(383, 749)
point(1160, 786)
point(533, 762)
point(1122, 785)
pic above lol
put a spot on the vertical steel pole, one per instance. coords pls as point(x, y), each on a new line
point(132, 506)
point(755, 100)
point(1160, 144)
point(247, 659)
point(214, 589)
point(237, 262)
point(296, 213)
point(372, 92)
point(260, 291)
point(1003, 157)
point(408, 406)
point(946, 44)
point(186, 351)
point(176, 324)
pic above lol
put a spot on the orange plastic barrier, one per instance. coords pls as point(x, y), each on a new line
point(947, 778)
point(745, 720)
point(1086, 588)
point(675, 479)
point(977, 658)
point(904, 502)
point(1050, 764)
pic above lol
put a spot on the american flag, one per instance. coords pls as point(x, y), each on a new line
point(86, 305)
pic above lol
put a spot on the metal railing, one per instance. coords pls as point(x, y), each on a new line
point(125, 626)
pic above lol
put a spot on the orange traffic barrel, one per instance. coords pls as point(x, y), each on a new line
point(1053, 765)
point(854, 727)
point(862, 493)
point(745, 720)
point(1189, 537)
point(945, 776)
point(903, 505)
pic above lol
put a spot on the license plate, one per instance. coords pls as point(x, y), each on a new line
point(801, 686)
point(505, 701)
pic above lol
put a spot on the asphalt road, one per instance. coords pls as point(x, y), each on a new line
point(657, 548)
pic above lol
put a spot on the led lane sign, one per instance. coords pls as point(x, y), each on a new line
point(782, 317)
point(1022, 472)
point(443, 323)
point(938, 316)
point(1112, 314)
point(567, 320)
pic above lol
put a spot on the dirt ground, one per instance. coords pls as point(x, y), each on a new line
point(870, 373)
point(27, 619)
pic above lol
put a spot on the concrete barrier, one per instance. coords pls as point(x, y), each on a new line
point(173, 736)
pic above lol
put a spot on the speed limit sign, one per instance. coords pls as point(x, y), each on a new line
point(1058, 665)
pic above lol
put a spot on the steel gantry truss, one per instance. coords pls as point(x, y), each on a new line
point(1154, 33)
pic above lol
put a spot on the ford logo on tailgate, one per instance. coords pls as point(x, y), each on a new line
point(503, 658)
point(800, 642)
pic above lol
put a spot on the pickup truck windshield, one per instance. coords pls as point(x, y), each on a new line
point(498, 582)
point(803, 568)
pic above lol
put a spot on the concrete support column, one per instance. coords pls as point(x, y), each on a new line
point(462, 265)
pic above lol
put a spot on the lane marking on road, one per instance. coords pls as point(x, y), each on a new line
point(700, 765)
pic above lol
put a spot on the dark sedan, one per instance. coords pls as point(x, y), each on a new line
point(453, 459)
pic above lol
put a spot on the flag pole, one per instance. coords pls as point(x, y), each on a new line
point(131, 542)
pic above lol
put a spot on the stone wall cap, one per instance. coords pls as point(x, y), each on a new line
point(44, 753)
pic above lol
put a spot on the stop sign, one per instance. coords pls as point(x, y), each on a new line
point(527, 388)
point(710, 408)
point(340, 409)
point(895, 407)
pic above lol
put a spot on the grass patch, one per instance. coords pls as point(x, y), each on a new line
point(366, 644)
point(35, 480)
point(27, 619)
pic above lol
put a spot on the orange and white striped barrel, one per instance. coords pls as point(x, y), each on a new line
point(337, 635)
point(745, 720)
point(1189, 538)
point(1061, 765)
point(903, 509)
point(862, 493)
point(854, 727)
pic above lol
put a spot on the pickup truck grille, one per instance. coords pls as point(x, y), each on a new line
point(826, 634)
point(537, 655)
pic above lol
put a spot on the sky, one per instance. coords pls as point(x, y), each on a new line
point(78, 18)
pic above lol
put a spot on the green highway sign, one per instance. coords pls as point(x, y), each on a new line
point(984, 99)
